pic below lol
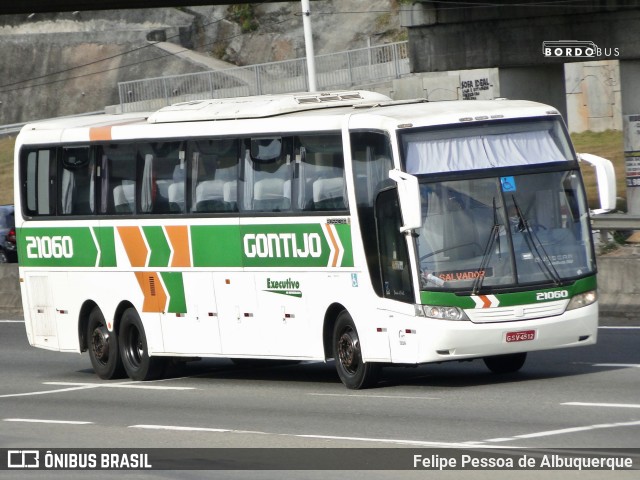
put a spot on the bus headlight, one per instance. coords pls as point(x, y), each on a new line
point(582, 300)
point(444, 313)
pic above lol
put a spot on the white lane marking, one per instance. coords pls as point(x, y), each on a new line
point(45, 392)
point(395, 441)
point(621, 327)
point(369, 396)
point(37, 420)
point(122, 385)
point(612, 405)
point(563, 431)
point(84, 386)
point(322, 437)
point(11, 321)
point(179, 428)
point(617, 365)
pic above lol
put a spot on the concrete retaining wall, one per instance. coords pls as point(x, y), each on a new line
point(618, 286)
point(10, 298)
point(619, 289)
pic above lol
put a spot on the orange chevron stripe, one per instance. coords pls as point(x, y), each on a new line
point(155, 297)
point(100, 133)
point(104, 132)
point(179, 239)
point(336, 251)
point(134, 245)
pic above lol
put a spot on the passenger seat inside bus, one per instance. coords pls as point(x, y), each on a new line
point(329, 193)
point(124, 197)
point(270, 195)
point(230, 195)
point(175, 192)
point(323, 185)
point(210, 196)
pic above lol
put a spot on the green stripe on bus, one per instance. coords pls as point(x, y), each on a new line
point(105, 238)
point(175, 289)
point(508, 299)
point(216, 246)
point(344, 232)
point(160, 250)
point(309, 245)
point(57, 247)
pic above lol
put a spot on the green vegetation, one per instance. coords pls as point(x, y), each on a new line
point(245, 16)
point(608, 144)
point(6, 169)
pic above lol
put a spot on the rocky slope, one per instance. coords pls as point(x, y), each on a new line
point(66, 63)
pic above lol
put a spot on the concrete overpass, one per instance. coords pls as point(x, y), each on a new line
point(449, 35)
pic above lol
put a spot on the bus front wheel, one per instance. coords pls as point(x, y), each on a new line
point(509, 363)
point(353, 372)
point(103, 347)
point(135, 351)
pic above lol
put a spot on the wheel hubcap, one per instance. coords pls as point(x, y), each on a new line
point(349, 351)
point(100, 343)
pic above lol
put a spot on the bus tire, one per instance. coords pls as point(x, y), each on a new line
point(509, 363)
point(353, 372)
point(103, 347)
point(134, 349)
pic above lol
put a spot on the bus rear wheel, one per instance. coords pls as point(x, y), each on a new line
point(103, 348)
point(353, 372)
point(135, 351)
point(505, 363)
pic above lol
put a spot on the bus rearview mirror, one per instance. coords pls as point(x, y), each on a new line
point(606, 180)
point(409, 197)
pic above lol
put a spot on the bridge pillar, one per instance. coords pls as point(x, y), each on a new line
point(542, 83)
point(629, 75)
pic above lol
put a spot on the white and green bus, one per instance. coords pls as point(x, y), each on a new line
point(305, 227)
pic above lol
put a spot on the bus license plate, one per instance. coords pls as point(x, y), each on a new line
point(522, 336)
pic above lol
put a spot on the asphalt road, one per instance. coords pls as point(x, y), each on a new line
point(583, 398)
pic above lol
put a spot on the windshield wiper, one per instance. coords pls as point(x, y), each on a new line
point(488, 250)
point(532, 239)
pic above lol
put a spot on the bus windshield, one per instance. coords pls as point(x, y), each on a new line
point(491, 144)
point(502, 232)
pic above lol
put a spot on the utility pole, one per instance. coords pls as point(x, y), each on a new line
point(308, 43)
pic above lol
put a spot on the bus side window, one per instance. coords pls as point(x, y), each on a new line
point(38, 177)
point(320, 181)
point(119, 178)
point(266, 177)
point(371, 155)
point(161, 160)
point(77, 182)
point(214, 175)
point(394, 257)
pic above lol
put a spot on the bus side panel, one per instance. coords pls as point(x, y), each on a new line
point(192, 328)
point(40, 317)
point(242, 332)
point(282, 300)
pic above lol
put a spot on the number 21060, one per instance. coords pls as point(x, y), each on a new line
point(49, 247)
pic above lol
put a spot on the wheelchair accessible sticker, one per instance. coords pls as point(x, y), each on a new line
point(508, 184)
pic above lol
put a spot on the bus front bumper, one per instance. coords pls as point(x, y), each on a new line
point(425, 340)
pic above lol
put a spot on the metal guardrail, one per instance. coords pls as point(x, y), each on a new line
point(608, 222)
point(333, 71)
point(615, 221)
